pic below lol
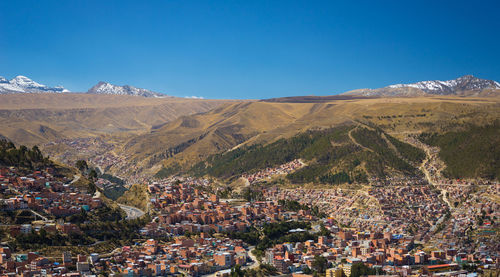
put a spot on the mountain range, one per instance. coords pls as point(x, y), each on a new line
point(107, 88)
point(151, 132)
point(23, 84)
point(467, 85)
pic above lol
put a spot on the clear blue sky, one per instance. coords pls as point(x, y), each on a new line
point(248, 49)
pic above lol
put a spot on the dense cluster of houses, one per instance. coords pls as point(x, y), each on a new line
point(30, 264)
point(191, 256)
point(418, 213)
point(380, 226)
point(388, 252)
point(40, 191)
point(194, 256)
point(187, 207)
point(94, 149)
point(405, 207)
point(473, 224)
point(400, 208)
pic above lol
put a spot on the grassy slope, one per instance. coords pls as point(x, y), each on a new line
point(473, 152)
point(331, 155)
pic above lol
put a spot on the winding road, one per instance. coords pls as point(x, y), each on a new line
point(255, 263)
point(250, 265)
point(132, 212)
point(75, 178)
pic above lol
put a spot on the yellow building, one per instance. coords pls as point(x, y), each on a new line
point(333, 272)
point(347, 269)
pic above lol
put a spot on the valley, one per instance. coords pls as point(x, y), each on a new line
point(261, 186)
point(249, 138)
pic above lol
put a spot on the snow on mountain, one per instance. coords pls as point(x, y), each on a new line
point(467, 82)
point(107, 88)
point(467, 85)
point(23, 84)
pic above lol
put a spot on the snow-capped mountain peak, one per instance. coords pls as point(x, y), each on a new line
point(23, 84)
point(464, 83)
point(107, 88)
point(23, 81)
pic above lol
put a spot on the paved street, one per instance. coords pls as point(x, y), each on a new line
point(132, 212)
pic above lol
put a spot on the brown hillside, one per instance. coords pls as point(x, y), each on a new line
point(40, 118)
point(192, 138)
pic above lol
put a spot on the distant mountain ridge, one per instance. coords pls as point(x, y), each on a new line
point(107, 88)
point(23, 84)
point(467, 85)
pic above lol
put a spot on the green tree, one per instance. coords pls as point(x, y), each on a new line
point(236, 271)
point(320, 264)
point(360, 269)
point(93, 174)
point(81, 165)
point(306, 270)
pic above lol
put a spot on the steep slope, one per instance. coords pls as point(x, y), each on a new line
point(467, 85)
point(107, 88)
point(22, 84)
point(188, 140)
point(192, 138)
point(342, 154)
point(472, 151)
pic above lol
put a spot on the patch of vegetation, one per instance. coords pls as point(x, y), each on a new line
point(91, 223)
point(251, 194)
point(275, 233)
point(43, 239)
point(410, 152)
point(382, 155)
point(119, 230)
point(85, 184)
point(91, 233)
point(292, 205)
point(136, 196)
point(113, 179)
point(16, 217)
point(91, 175)
point(255, 157)
point(262, 270)
point(309, 145)
point(333, 158)
point(88, 177)
point(103, 214)
point(337, 178)
point(471, 153)
point(114, 192)
point(99, 247)
point(360, 269)
point(166, 172)
point(22, 157)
